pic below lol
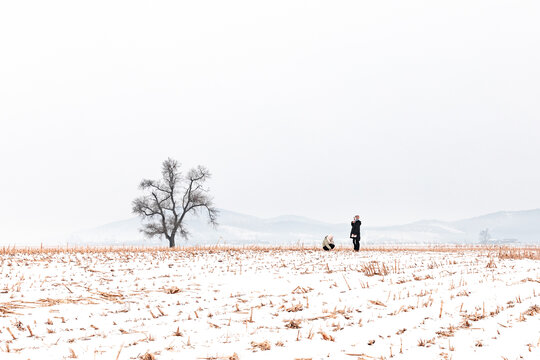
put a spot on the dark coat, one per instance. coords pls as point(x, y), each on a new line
point(355, 228)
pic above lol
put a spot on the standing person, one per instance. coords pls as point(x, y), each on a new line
point(355, 232)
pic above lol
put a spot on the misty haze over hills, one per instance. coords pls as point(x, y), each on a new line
point(508, 227)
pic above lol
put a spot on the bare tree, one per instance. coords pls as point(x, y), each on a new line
point(484, 236)
point(167, 201)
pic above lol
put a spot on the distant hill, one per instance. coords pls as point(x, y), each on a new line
point(517, 227)
point(524, 226)
point(234, 228)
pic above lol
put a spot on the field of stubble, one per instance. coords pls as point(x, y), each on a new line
point(257, 303)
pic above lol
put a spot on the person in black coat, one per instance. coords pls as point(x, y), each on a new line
point(355, 232)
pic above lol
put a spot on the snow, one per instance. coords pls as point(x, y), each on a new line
point(214, 303)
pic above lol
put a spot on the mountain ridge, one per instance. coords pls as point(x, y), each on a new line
point(517, 227)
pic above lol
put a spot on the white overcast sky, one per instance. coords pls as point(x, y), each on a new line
point(396, 110)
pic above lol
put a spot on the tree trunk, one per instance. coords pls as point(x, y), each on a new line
point(171, 241)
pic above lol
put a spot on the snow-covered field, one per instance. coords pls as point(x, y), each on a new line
point(269, 304)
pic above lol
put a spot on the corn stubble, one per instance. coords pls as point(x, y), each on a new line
point(411, 287)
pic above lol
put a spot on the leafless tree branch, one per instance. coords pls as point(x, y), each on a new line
point(159, 207)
